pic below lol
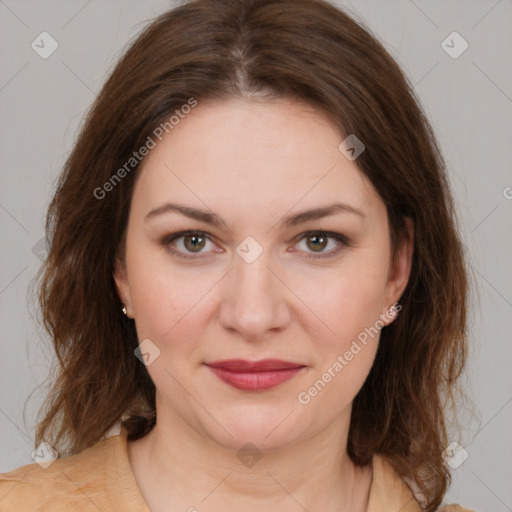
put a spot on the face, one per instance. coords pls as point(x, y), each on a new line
point(236, 274)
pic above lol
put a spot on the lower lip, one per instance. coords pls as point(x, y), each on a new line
point(255, 381)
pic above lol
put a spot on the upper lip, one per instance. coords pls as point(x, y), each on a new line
point(244, 366)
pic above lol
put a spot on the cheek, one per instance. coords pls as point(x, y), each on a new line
point(166, 297)
point(346, 300)
point(350, 305)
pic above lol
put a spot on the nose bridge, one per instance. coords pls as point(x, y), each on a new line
point(254, 301)
point(252, 279)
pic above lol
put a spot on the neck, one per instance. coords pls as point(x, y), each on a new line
point(180, 468)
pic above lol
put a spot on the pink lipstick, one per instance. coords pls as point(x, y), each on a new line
point(254, 375)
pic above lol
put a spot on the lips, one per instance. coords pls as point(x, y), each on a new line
point(244, 366)
point(254, 375)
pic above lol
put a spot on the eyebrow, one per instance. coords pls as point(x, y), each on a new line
point(288, 221)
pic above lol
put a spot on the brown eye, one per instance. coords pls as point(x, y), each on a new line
point(322, 244)
point(317, 242)
point(194, 242)
point(188, 244)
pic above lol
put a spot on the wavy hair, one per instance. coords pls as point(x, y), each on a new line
point(306, 50)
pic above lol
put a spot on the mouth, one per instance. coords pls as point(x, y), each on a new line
point(255, 375)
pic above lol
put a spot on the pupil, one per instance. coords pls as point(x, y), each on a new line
point(318, 237)
point(195, 243)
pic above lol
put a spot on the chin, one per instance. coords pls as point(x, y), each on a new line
point(265, 429)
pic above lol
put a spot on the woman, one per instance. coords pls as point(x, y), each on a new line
point(255, 272)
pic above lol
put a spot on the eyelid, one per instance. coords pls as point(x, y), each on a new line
point(167, 240)
point(341, 239)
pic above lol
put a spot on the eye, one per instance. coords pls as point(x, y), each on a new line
point(317, 241)
point(188, 242)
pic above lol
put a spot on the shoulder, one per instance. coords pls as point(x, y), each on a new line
point(63, 483)
point(454, 508)
point(390, 492)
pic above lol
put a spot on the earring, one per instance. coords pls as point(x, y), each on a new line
point(124, 310)
point(394, 310)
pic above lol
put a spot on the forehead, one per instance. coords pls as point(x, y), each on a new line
point(269, 154)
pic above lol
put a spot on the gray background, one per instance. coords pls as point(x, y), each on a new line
point(468, 100)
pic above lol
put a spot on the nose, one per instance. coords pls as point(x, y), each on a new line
point(254, 300)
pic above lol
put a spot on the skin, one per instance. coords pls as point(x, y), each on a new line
point(254, 162)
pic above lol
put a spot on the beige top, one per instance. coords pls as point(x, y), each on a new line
point(100, 479)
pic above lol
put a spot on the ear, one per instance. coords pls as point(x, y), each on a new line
point(122, 286)
point(400, 270)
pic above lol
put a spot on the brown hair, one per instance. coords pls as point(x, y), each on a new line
point(310, 51)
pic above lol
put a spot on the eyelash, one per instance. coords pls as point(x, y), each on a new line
point(334, 252)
